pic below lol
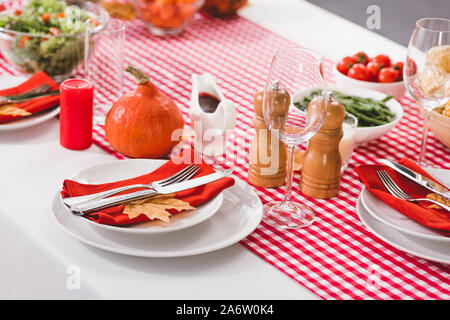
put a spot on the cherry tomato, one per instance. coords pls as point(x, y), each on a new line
point(45, 17)
point(345, 64)
point(383, 59)
point(23, 40)
point(60, 15)
point(359, 71)
point(411, 67)
point(399, 67)
point(388, 75)
point(374, 68)
point(2, 7)
point(17, 12)
point(361, 57)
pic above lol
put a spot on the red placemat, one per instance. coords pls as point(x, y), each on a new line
point(336, 257)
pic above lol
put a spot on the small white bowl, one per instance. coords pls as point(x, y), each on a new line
point(365, 134)
point(439, 125)
point(395, 89)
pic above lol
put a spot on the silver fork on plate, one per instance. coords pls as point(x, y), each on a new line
point(182, 175)
point(22, 97)
point(395, 190)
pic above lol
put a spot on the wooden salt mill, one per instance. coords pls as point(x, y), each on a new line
point(321, 171)
point(267, 166)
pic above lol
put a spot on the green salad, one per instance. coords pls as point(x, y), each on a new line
point(369, 112)
point(53, 39)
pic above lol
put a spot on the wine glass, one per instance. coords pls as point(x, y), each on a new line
point(104, 65)
point(293, 71)
point(426, 70)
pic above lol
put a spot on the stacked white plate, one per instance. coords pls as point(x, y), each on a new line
point(222, 221)
point(401, 232)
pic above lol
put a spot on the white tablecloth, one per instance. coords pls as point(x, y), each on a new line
point(40, 261)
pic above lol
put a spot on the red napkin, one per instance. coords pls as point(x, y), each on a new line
point(437, 219)
point(34, 105)
point(115, 215)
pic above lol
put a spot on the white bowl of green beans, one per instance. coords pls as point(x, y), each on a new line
point(377, 113)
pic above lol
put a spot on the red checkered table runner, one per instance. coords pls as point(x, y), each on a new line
point(336, 257)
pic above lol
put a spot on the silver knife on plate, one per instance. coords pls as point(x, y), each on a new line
point(98, 204)
point(417, 178)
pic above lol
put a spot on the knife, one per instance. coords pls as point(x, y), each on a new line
point(98, 204)
point(417, 178)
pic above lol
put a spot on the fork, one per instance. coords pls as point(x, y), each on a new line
point(182, 175)
point(395, 190)
point(18, 98)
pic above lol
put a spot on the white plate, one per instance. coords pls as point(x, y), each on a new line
point(8, 81)
point(366, 134)
point(239, 216)
point(391, 217)
point(436, 251)
point(119, 170)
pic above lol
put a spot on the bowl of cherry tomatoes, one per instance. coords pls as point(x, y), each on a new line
point(378, 73)
point(167, 17)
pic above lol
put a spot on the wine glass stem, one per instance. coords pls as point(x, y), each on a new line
point(423, 145)
point(289, 176)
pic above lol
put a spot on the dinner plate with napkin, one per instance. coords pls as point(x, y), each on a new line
point(423, 224)
point(39, 108)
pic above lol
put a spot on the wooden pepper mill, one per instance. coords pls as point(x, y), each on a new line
point(267, 166)
point(321, 171)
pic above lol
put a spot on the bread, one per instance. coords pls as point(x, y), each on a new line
point(434, 80)
point(440, 57)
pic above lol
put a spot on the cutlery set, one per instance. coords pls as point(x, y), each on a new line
point(179, 176)
point(417, 178)
point(396, 191)
point(178, 182)
point(39, 91)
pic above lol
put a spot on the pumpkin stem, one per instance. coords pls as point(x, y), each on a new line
point(140, 75)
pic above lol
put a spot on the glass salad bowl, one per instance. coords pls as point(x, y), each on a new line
point(48, 35)
point(167, 17)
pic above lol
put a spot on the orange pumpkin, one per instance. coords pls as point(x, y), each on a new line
point(144, 123)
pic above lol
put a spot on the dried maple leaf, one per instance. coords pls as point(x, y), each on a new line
point(156, 207)
point(12, 110)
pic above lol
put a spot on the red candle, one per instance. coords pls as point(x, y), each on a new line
point(76, 115)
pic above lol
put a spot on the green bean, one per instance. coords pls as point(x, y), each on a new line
point(369, 112)
point(386, 99)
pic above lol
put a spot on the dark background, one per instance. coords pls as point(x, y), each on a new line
point(398, 17)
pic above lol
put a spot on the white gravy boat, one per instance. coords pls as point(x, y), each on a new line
point(210, 128)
